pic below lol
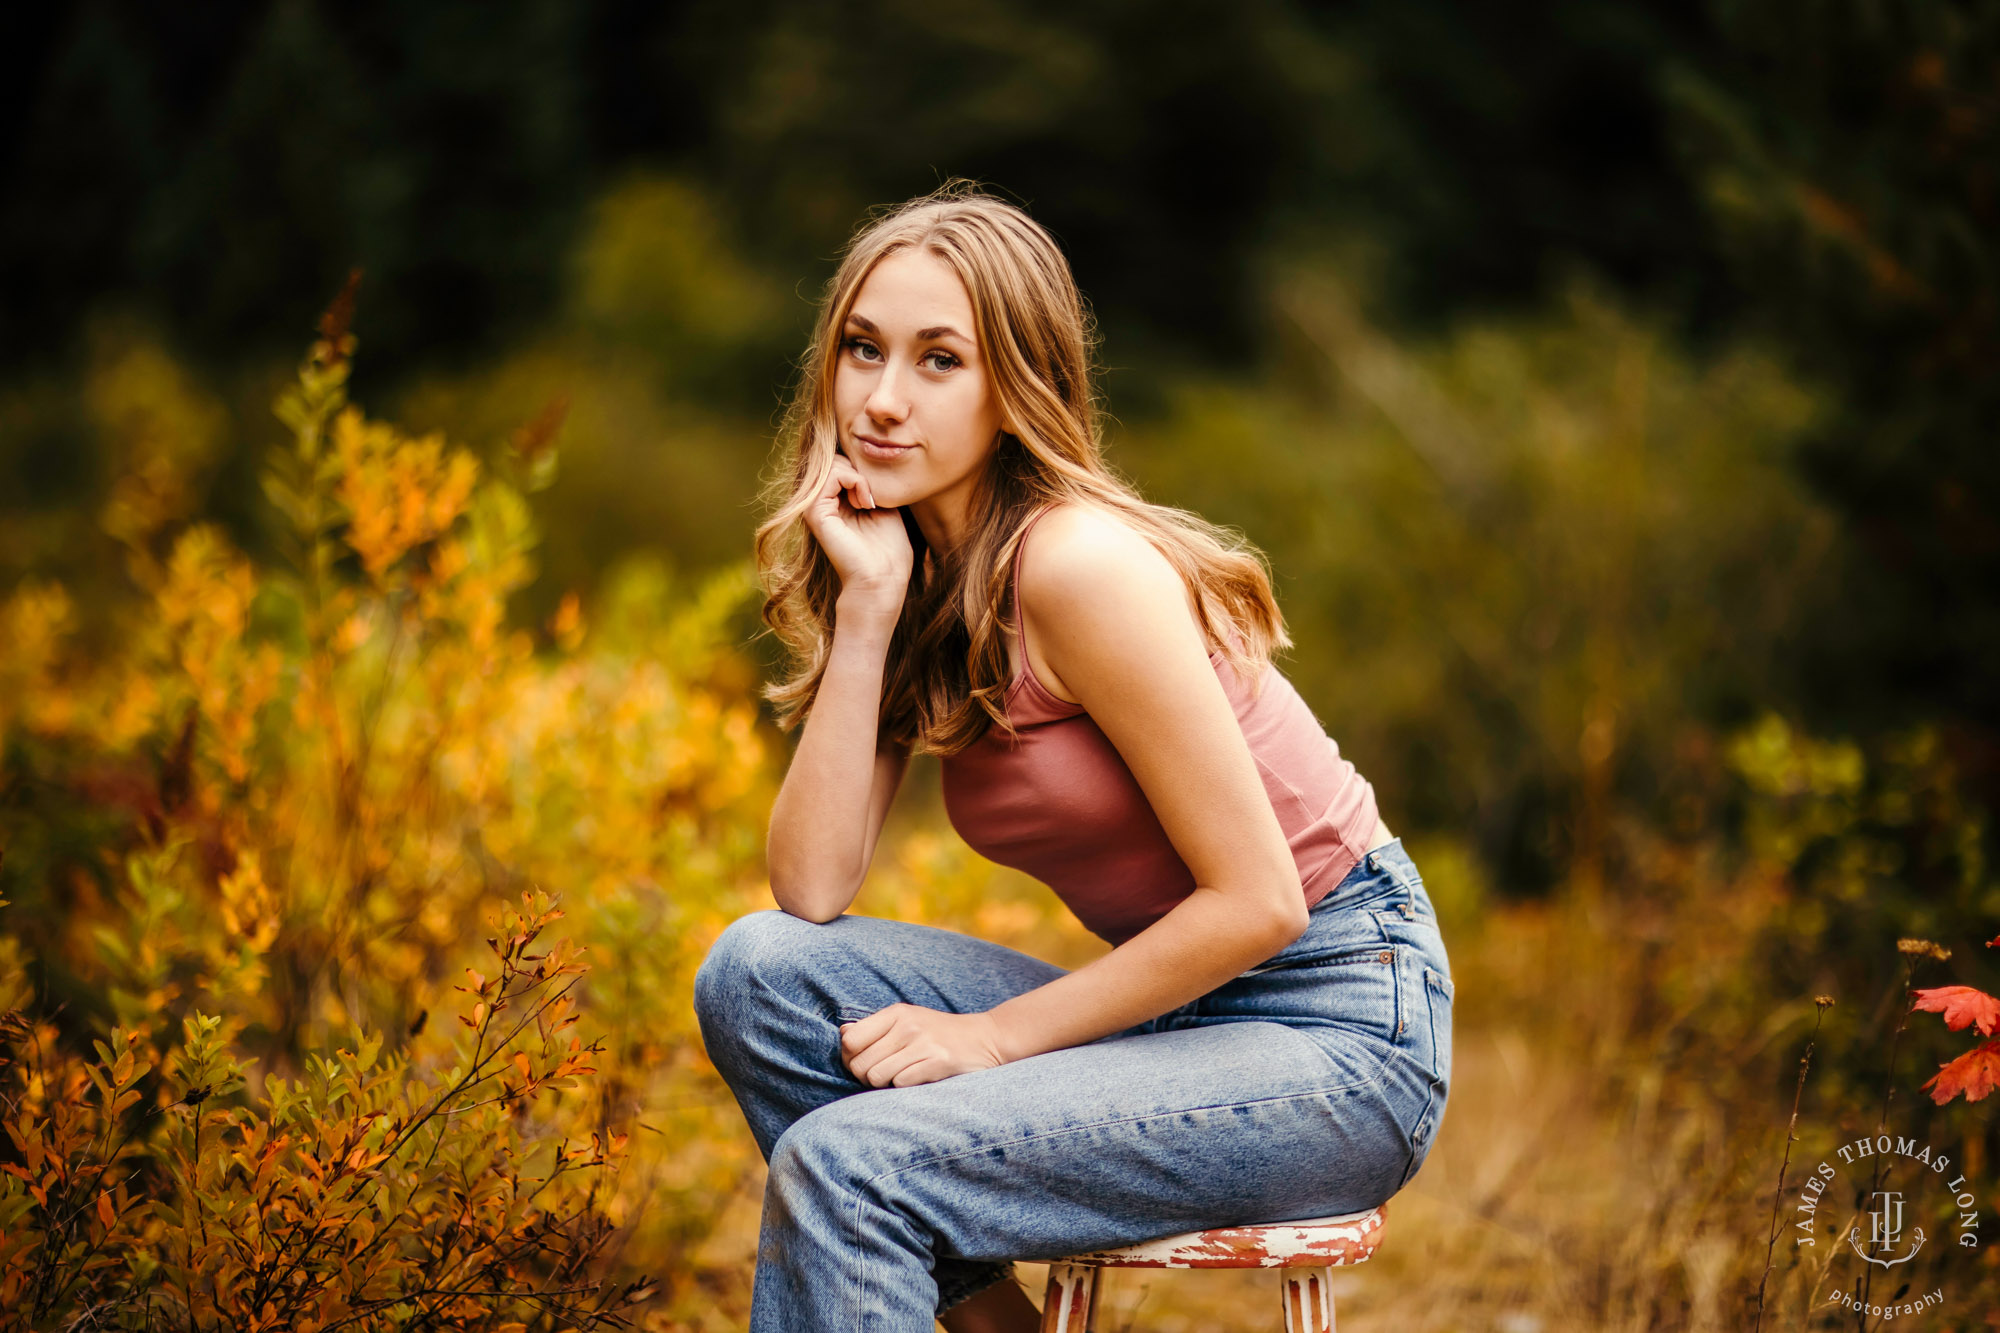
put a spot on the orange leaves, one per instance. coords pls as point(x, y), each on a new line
point(566, 625)
point(371, 1181)
point(249, 909)
point(1975, 1074)
point(398, 493)
point(1961, 1006)
point(360, 1159)
point(67, 1211)
point(597, 1151)
point(35, 624)
point(574, 1062)
point(207, 595)
point(204, 607)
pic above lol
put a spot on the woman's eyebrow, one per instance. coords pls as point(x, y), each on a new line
point(923, 335)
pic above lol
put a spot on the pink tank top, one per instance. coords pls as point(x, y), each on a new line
point(1059, 803)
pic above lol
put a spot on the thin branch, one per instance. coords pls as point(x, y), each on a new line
point(1820, 1005)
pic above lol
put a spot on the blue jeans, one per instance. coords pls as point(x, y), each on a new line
point(1313, 1084)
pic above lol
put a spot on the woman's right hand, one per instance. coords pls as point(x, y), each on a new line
point(868, 546)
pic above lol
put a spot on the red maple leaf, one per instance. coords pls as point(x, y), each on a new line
point(1993, 943)
point(1962, 1006)
point(1975, 1074)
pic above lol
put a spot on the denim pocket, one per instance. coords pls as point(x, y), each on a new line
point(1438, 993)
point(1347, 987)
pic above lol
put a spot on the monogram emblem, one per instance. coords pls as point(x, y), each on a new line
point(1885, 1232)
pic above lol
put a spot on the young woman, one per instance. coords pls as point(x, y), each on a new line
point(1270, 1036)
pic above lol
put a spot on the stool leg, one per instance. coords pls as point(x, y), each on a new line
point(1308, 1298)
point(1069, 1304)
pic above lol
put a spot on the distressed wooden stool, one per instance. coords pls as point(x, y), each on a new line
point(1301, 1251)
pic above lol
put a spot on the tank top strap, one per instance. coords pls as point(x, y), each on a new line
point(1014, 585)
point(1028, 700)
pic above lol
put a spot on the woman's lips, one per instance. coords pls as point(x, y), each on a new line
point(880, 451)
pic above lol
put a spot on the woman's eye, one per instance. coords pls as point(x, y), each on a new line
point(861, 347)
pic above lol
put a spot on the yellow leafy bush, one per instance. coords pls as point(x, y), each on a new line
point(286, 796)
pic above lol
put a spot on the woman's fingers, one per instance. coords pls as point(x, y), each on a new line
point(918, 1071)
point(881, 1062)
point(847, 477)
point(855, 1036)
point(869, 1042)
point(906, 1044)
point(860, 494)
point(900, 1066)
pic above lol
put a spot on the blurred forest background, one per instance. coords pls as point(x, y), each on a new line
point(1613, 384)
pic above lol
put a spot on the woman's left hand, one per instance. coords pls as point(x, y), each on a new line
point(907, 1044)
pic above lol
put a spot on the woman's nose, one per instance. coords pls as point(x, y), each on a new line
point(886, 402)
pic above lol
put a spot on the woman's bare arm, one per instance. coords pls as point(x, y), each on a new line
point(1111, 617)
point(829, 811)
point(837, 791)
point(1115, 624)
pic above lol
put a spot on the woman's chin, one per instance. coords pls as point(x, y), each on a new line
point(896, 493)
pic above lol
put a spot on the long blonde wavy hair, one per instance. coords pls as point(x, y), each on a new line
point(946, 677)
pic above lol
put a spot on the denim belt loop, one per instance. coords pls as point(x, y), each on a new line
point(1376, 863)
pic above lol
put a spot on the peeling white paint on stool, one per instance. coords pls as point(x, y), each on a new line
point(1317, 1242)
point(1305, 1250)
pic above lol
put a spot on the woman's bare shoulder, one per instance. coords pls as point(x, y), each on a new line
point(1074, 537)
point(1091, 561)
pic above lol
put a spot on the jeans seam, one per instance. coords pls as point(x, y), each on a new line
point(1106, 1124)
point(862, 1272)
point(860, 1252)
point(1435, 985)
point(1415, 1163)
point(1393, 889)
point(861, 1198)
point(1365, 954)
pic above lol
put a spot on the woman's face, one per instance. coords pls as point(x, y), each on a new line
point(916, 410)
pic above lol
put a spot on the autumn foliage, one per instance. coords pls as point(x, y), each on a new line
point(368, 1191)
point(1977, 1072)
point(265, 1063)
point(264, 1056)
